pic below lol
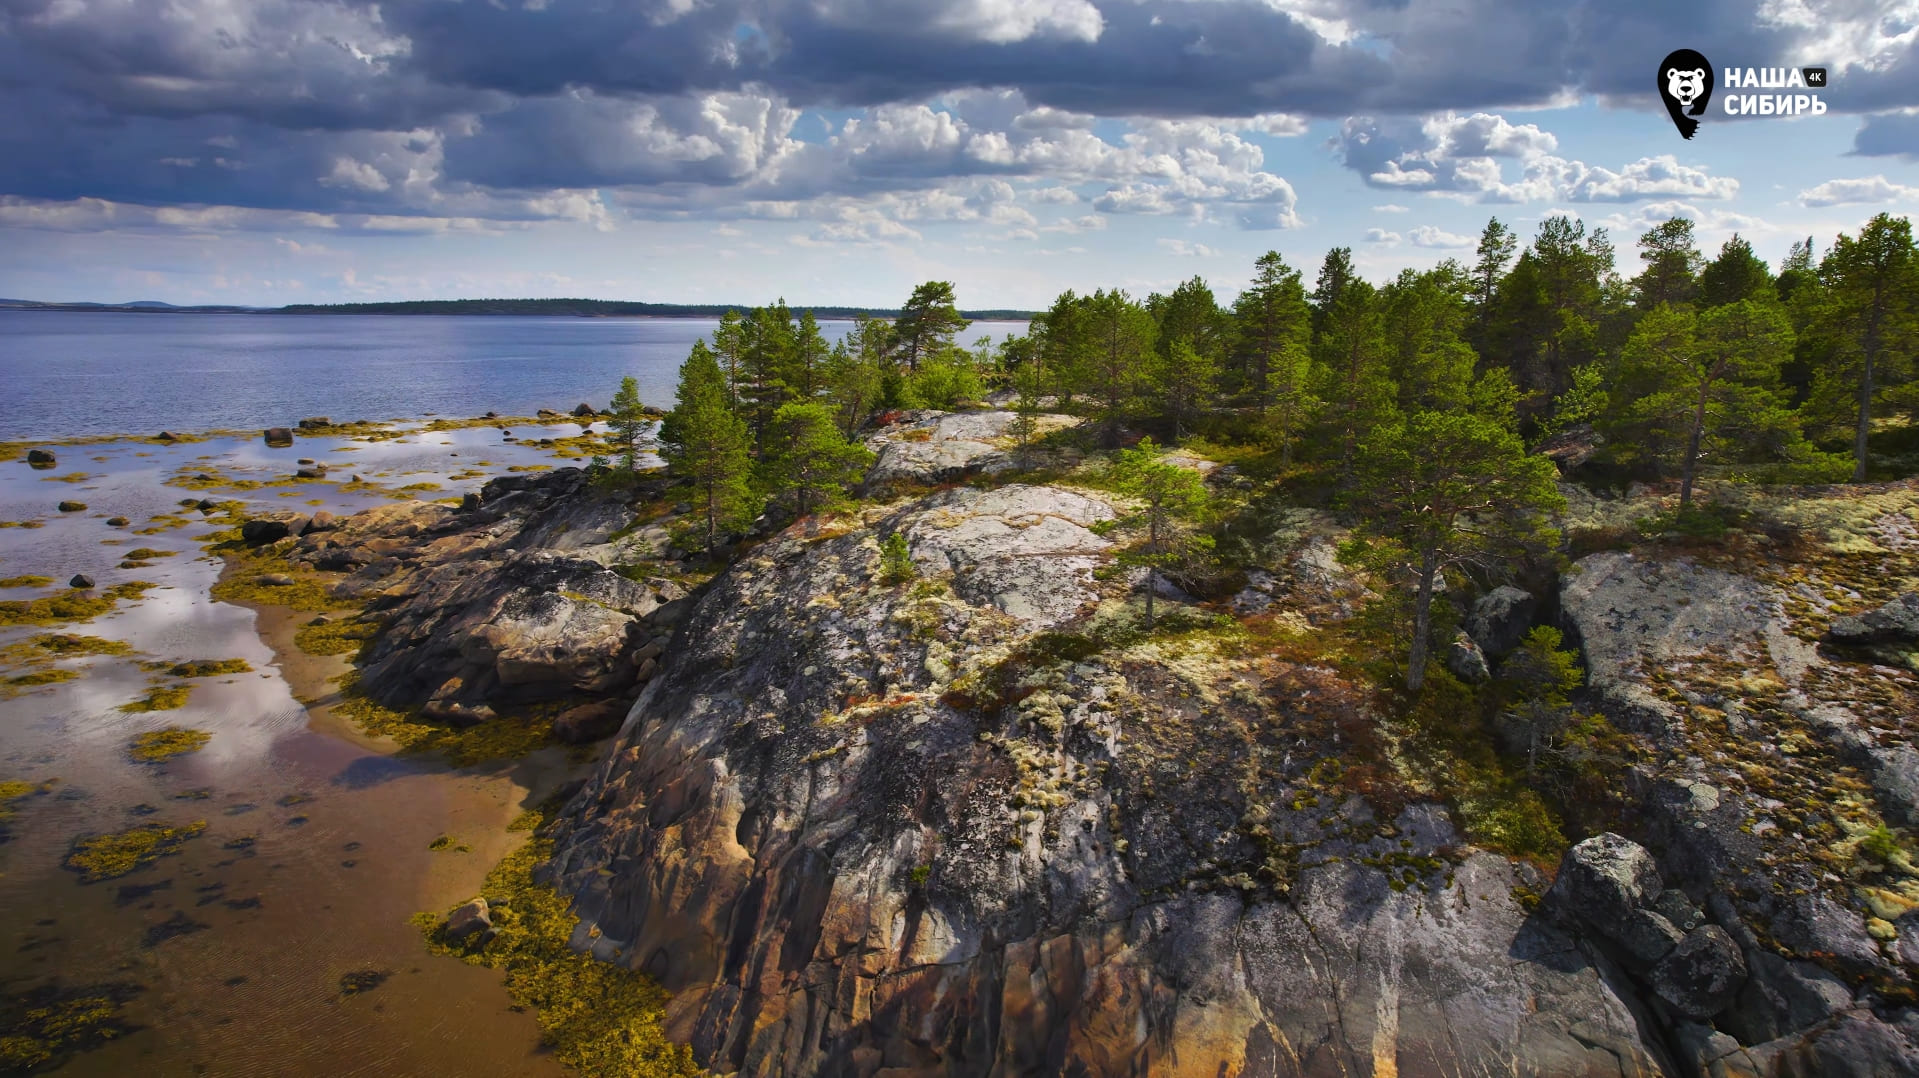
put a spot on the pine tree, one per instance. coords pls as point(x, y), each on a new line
point(1442, 489)
point(1185, 378)
point(806, 376)
point(705, 445)
point(628, 423)
point(1189, 313)
point(1735, 275)
point(1273, 329)
point(927, 323)
point(808, 464)
point(1704, 386)
point(1496, 246)
point(1871, 316)
point(1672, 263)
point(855, 381)
point(1350, 361)
point(1169, 496)
point(729, 347)
point(767, 362)
point(1121, 343)
point(1428, 362)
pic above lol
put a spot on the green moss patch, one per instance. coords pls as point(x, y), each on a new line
point(598, 1018)
point(63, 646)
point(159, 746)
point(448, 844)
point(28, 581)
point(161, 698)
point(147, 553)
point(75, 604)
point(35, 679)
point(242, 583)
point(110, 856)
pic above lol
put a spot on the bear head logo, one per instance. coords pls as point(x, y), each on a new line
point(1685, 85)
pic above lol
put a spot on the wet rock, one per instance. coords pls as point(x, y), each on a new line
point(167, 436)
point(41, 457)
point(80, 580)
point(72, 507)
point(275, 580)
point(260, 531)
point(1700, 977)
point(1501, 618)
point(278, 436)
point(468, 920)
point(316, 471)
point(1466, 661)
point(118, 522)
point(305, 460)
point(206, 505)
point(589, 722)
point(318, 422)
point(585, 411)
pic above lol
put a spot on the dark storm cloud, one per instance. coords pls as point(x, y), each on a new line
point(1892, 134)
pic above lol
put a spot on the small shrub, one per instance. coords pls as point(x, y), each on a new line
point(896, 561)
point(1879, 844)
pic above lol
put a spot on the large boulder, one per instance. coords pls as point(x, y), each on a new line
point(1604, 880)
point(41, 458)
point(1701, 976)
point(278, 436)
point(1501, 618)
point(1889, 633)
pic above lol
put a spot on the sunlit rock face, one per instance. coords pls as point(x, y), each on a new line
point(966, 824)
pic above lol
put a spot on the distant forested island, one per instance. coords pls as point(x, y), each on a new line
point(580, 308)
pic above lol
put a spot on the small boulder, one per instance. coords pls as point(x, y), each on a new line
point(305, 460)
point(491, 415)
point(206, 505)
point(316, 471)
point(1466, 661)
point(322, 521)
point(318, 422)
point(167, 436)
point(546, 413)
point(589, 722)
point(42, 458)
point(117, 522)
point(80, 580)
point(468, 920)
point(278, 436)
point(1702, 975)
point(275, 580)
point(258, 532)
point(73, 507)
point(1501, 618)
point(470, 502)
point(585, 411)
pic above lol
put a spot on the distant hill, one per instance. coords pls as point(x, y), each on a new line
point(603, 308)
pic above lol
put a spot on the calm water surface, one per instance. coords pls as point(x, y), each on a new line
point(68, 374)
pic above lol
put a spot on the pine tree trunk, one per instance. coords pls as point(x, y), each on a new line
point(1422, 621)
point(1692, 451)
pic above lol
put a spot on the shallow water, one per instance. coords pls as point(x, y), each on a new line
point(240, 946)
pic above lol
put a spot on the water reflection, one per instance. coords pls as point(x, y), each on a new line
point(315, 848)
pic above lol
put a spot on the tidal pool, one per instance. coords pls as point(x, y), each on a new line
point(274, 941)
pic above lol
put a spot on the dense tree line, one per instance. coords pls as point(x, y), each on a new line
point(1421, 403)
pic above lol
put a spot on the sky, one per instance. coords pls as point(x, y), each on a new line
point(264, 152)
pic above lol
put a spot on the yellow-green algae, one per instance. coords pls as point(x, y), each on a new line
point(600, 1019)
point(28, 581)
point(75, 604)
point(199, 667)
point(110, 856)
point(159, 698)
point(504, 737)
point(335, 636)
point(159, 746)
point(46, 1025)
point(35, 679)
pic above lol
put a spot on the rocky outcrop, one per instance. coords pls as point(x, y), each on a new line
point(513, 601)
point(930, 447)
point(969, 824)
point(1501, 618)
point(1769, 764)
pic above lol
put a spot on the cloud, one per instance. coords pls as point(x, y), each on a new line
point(1187, 249)
point(100, 215)
point(1889, 134)
point(1871, 189)
point(1466, 157)
point(1390, 208)
point(1383, 237)
point(1431, 236)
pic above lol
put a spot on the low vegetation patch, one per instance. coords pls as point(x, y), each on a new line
point(110, 856)
point(160, 698)
point(599, 1018)
point(76, 604)
point(335, 636)
point(35, 679)
point(504, 737)
point(159, 746)
point(200, 667)
point(28, 581)
point(46, 1026)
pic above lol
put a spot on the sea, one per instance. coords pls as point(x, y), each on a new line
point(67, 374)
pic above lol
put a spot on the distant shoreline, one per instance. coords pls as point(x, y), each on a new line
point(502, 308)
